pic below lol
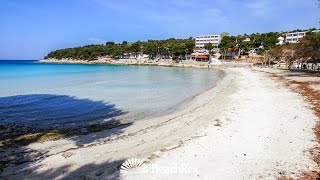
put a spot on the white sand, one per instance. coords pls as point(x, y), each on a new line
point(265, 128)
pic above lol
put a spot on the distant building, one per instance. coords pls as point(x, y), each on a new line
point(247, 40)
point(205, 39)
point(280, 41)
point(295, 37)
point(199, 57)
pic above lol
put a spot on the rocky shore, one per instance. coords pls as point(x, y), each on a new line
point(147, 62)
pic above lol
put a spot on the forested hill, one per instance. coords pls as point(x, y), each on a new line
point(168, 47)
point(171, 47)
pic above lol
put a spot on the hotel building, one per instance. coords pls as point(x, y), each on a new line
point(295, 37)
point(204, 39)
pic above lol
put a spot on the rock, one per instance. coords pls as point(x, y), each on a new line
point(67, 154)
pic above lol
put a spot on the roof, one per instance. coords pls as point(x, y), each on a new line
point(202, 56)
point(202, 36)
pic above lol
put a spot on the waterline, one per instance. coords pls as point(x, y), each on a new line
point(141, 91)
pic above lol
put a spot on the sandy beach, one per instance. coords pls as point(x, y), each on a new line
point(159, 90)
point(249, 126)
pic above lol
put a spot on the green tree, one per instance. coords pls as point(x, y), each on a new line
point(227, 44)
point(135, 47)
point(223, 34)
point(209, 47)
point(168, 47)
point(110, 43)
point(277, 52)
point(309, 46)
point(124, 43)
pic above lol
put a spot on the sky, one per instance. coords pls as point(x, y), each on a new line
point(30, 29)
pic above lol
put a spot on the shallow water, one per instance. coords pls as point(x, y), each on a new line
point(50, 94)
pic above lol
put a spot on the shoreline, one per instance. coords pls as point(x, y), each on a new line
point(184, 104)
point(148, 62)
point(218, 128)
point(27, 134)
point(138, 130)
point(216, 73)
point(245, 144)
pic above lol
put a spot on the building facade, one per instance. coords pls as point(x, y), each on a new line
point(295, 37)
point(205, 39)
point(198, 57)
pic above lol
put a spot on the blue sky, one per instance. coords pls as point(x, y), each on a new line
point(29, 29)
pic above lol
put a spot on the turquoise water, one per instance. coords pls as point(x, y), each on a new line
point(51, 94)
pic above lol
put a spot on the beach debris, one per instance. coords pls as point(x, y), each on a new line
point(67, 154)
point(217, 123)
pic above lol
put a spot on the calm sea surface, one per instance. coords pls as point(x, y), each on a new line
point(60, 94)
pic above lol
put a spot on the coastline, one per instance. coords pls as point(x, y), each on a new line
point(160, 90)
point(148, 62)
point(25, 134)
point(248, 143)
point(222, 131)
point(140, 130)
point(185, 103)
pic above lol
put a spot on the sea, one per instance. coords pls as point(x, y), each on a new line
point(64, 95)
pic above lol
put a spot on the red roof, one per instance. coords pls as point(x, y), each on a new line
point(202, 56)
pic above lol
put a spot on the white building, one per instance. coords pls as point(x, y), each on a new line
point(280, 41)
point(247, 40)
point(204, 39)
point(295, 36)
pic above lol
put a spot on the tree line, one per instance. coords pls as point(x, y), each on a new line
point(308, 49)
point(259, 42)
point(154, 48)
point(171, 48)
